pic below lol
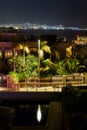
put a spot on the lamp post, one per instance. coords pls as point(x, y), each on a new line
point(39, 58)
point(24, 55)
point(14, 61)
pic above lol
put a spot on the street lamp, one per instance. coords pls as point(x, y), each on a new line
point(39, 58)
point(14, 61)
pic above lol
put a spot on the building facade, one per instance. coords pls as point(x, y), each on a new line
point(6, 49)
point(81, 40)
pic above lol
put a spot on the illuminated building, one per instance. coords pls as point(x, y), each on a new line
point(81, 40)
point(6, 49)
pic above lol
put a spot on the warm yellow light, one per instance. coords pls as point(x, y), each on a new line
point(41, 54)
point(39, 115)
point(26, 49)
point(69, 51)
point(20, 46)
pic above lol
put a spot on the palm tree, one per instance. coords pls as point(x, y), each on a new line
point(47, 68)
point(55, 53)
point(67, 66)
point(60, 67)
point(44, 48)
point(80, 51)
point(58, 51)
point(72, 65)
point(20, 43)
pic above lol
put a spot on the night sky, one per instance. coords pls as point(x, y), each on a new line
point(50, 12)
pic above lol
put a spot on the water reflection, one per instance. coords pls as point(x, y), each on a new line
point(39, 114)
point(31, 115)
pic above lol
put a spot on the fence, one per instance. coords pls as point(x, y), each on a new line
point(57, 81)
point(75, 79)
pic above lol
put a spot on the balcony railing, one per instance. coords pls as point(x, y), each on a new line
point(55, 83)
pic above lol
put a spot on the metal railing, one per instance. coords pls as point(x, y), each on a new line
point(55, 83)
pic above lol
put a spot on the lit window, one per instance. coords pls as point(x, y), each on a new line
point(0, 54)
point(8, 54)
point(69, 51)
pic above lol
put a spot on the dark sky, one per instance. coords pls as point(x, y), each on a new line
point(50, 12)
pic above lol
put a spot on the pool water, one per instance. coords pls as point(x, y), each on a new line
point(26, 115)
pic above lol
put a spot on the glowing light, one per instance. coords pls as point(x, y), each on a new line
point(26, 49)
point(39, 115)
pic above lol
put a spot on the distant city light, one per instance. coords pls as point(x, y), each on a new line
point(27, 26)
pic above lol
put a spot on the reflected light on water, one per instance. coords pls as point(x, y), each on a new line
point(39, 114)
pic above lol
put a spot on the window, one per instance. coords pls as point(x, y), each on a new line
point(8, 54)
point(0, 54)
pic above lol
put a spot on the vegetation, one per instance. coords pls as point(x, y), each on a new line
point(67, 66)
point(47, 68)
point(53, 60)
point(25, 68)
